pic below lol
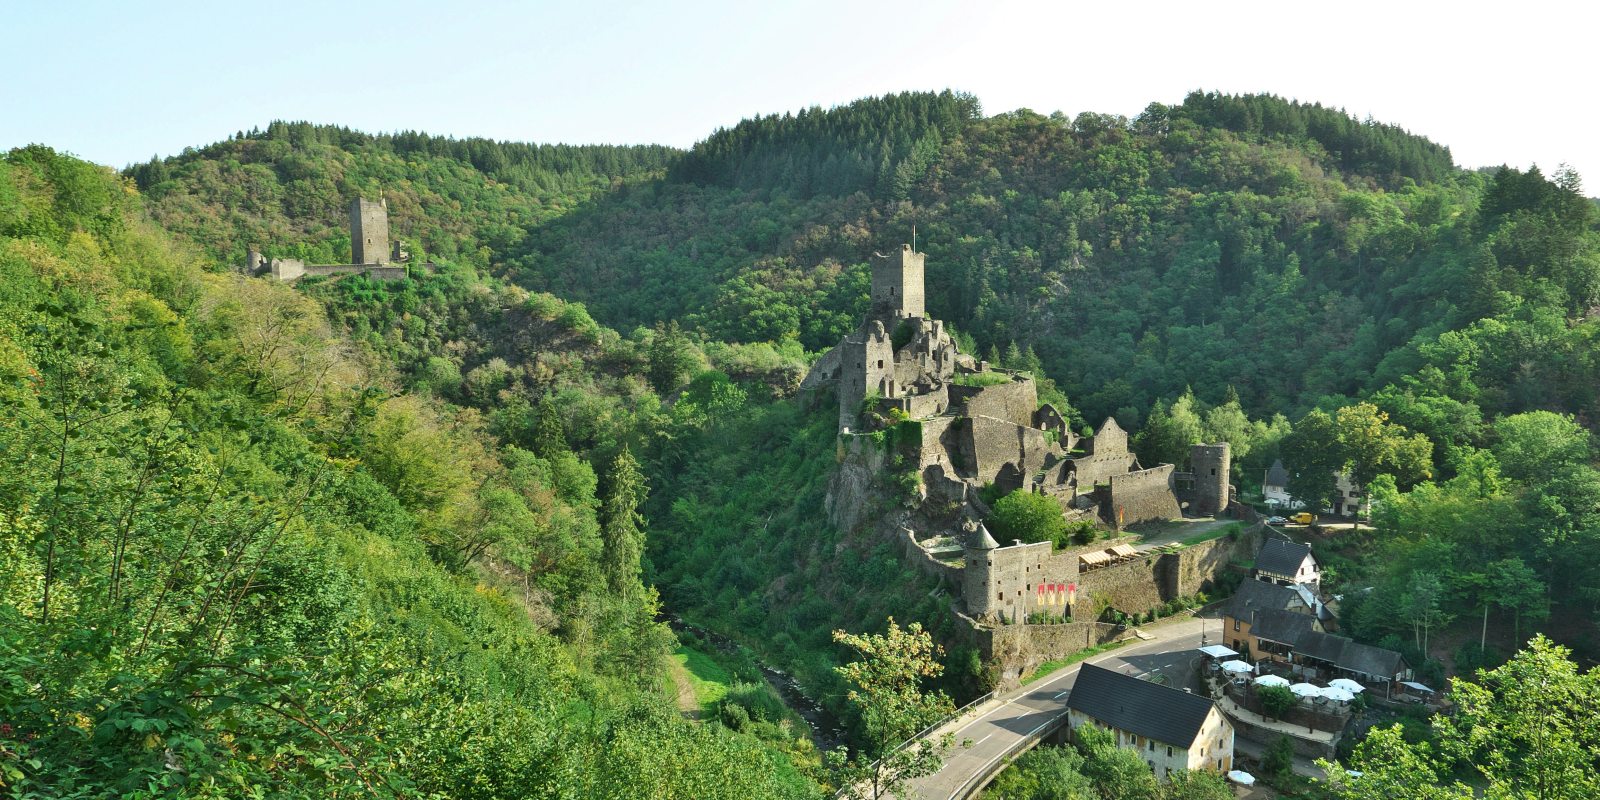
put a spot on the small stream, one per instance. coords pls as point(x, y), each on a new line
point(826, 731)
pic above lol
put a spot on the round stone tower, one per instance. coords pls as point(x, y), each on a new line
point(1211, 464)
point(978, 578)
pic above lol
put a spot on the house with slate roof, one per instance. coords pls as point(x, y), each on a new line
point(1169, 728)
point(1324, 656)
point(1287, 562)
point(1268, 602)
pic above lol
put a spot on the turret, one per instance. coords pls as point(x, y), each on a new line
point(1211, 463)
point(978, 577)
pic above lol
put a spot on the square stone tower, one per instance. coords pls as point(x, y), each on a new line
point(369, 231)
point(897, 284)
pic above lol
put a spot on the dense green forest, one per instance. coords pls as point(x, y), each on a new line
point(271, 536)
point(236, 561)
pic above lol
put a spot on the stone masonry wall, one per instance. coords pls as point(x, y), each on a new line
point(1193, 567)
point(1141, 584)
point(1131, 587)
point(1142, 496)
point(988, 444)
point(921, 406)
point(1099, 467)
point(1013, 402)
point(1018, 650)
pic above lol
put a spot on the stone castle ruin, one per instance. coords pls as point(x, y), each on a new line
point(371, 250)
point(960, 425)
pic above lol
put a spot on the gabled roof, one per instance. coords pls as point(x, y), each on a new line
point(1277, 474)
point(1280, 557)
point(1285, 627)
point(1322, 646)
point(1312, 602)
point(1167, 715)
point(1349, 654)
point(1369, 660)
point(1253, 596)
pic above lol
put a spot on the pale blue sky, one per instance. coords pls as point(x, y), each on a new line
point(115, 82)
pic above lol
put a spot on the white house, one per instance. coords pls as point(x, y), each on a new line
point(1287, 563)
point(1169, 728)
point(1347, 498)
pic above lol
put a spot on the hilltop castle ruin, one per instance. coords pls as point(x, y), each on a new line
point(371, 250)
point(910, 402)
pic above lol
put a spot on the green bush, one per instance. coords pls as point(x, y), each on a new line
point(1029, 517)
point(1275, 700)
point(1278, 761)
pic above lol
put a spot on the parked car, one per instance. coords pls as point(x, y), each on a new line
point(1277, 521)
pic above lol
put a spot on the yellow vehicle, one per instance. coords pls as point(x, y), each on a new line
point(1303, 518)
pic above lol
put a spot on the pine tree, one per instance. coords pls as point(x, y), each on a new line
point(549, 437)
point(622, 527)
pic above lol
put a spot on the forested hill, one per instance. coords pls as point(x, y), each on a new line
point(285, 188)
point(236, 559)
point(355, 537)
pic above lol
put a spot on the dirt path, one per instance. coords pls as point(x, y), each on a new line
point(688, 706)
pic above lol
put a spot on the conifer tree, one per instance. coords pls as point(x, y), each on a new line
point(622, 527)
point(549, 437)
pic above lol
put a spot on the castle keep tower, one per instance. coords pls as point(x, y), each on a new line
point(897, 284)
point(369, 231)
point(1211, 463)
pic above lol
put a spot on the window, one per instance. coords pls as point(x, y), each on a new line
point(999, 596)
point(1169, 752)
point(1213, 470)
point(1236, 625)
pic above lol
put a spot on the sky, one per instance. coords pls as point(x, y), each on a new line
point(118, 82)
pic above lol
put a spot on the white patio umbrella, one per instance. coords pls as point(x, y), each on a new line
point(1304, 690)
point(1241, 777)
point(1339, 695)
point(1272, 680)
point(1347, 685)
point(1235, 667)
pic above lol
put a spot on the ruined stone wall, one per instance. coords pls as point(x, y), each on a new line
point(948, 574)
point(1110, 439)
point(287, 269)
point(1193, 568)
point(1014, 402)
point(940, 445)
point(866, 365)
point(374, 272)
point(1141, 584)
point(921, 406)
point(1018, 650)
point(1132, 587)
point(988, 446)
point(825, 371)
point(1142, 496)
point(1098, 468)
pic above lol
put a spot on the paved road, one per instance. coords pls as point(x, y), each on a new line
point(1025, 714)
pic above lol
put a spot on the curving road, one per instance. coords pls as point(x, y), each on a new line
point(1039, 707)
